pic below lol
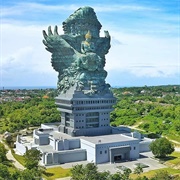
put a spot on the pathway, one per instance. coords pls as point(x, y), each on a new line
point(14, 161)
point(11, 157)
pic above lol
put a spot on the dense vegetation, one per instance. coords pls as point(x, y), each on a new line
point(90, 172)
point(33, 111)
point(32, 172)
point(154, 109)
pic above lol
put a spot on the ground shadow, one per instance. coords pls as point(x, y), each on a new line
point(142, 156)
point(48, 174)
point(168, 158)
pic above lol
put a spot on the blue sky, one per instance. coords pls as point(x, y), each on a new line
point(144, 47)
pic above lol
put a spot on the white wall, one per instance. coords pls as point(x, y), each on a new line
point(102, 153)
point(144, 145)
point(64, 157)
point(134, 153)
point(20, 148)
point(90, 149)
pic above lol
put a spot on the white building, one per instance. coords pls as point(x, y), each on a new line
point(57, 147)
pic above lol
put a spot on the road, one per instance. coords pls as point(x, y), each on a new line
point(11, 157)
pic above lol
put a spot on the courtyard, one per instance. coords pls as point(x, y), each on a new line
point(145, 158)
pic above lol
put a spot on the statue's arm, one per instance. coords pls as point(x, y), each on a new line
point(103, 44)
point(107, 35)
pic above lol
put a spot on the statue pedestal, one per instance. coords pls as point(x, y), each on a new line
point(83, 115)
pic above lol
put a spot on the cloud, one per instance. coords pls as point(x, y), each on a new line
point(123, 8)
point(139, 55)
point(154, 71)
point(143, 55)
point(25, 8)
point(24, 56)
point(22, 8)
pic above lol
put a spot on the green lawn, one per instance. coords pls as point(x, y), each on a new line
point(175, 137)
point(19, 158)
point(150, 174)
point(51, 173)
point(174, 159)
point(56, 172)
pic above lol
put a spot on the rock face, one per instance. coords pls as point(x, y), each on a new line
point(84, 98)
point(79, 54)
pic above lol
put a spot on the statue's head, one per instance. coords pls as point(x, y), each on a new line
point(82, 19)
point(88, 35)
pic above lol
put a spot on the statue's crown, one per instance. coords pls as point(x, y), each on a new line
point(88, 35)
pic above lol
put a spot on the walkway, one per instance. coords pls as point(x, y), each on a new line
point(11, 157)
point(14, 161)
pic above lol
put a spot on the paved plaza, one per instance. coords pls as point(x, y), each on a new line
point(146, 158)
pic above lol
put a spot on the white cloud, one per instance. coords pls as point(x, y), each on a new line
point(23, 54)
point(22, 8)
point(118, 7)
point(144, 55)
point(25, 60)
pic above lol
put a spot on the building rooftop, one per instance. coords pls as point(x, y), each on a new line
point(111, 138)
point(46, 148)
point(60, 135)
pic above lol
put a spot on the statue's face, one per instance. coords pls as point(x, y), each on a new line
point(88, 39)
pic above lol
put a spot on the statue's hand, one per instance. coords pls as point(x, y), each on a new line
point(50, 39)
point(106, 33)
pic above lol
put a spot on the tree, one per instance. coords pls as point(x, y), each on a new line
point(161, 147)
point(32, 158)
point(90, 172)
point(138, 170)
point(77, 172)
point(28, 174)
point(126, 174)
point(87, 172)
point(116, 176)
point(4, 173)
point(162, 175)
point(3, 152)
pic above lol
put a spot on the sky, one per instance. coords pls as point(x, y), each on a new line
point(145, 40)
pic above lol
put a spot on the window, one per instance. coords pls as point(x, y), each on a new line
point(100, 152)
point(105, 151)
point(134, 148)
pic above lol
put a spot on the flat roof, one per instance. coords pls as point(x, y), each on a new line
point(111, 138)
point(60, 135)
point(46, 148)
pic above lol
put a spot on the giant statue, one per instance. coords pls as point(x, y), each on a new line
point(78, 55)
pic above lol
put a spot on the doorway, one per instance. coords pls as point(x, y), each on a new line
point(117, 158)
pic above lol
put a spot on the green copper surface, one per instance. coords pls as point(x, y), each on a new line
point(78, 55)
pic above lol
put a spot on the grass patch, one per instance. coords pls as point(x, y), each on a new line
point(174, 137)
point(56, 172)
point(150, 174)
point(174, 159)
point(19, 158)
point(12, 169)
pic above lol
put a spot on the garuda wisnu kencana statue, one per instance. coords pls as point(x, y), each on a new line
point(79, 54)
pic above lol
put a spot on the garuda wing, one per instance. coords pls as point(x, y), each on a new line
point(103, 44)
point(63, 54)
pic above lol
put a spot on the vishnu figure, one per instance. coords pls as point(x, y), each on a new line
point(87, 46)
